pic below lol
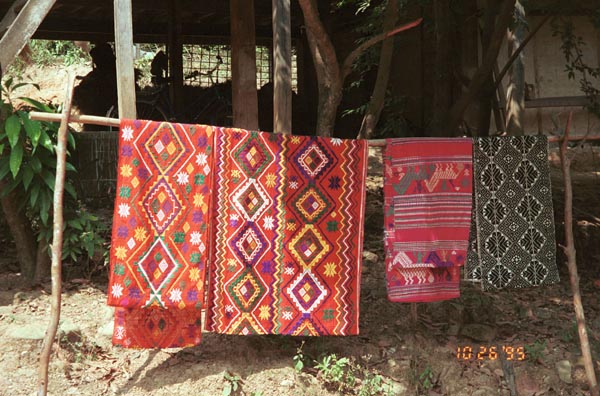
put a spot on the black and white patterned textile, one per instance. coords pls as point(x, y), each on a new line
point(515, 240)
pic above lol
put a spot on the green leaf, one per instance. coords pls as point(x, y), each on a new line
point(1, 148)
point(69, 189)
point(71, 140)
point(75, 223)
point(45, 201)
point(19, 85)
point(70, 167)
point(16, 157)
point(38, 105)
point(8, 82)
point(35, 164)
point(27, 176)
point(46, 142)
point(13, 129)
point(49, 178)
point(35, 191)
point(33, 128)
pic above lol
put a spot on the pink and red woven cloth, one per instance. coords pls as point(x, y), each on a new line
point(427, 216)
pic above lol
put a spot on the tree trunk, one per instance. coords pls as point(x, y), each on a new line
point(487, 90)
point(373, 113)
point(484, 71)
point(327, 66)
point(42, 262)
point(20, 228)
point(442, 81)
point(515, 93)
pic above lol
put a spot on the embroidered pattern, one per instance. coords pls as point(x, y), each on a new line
point(160, 236)
point(515, 242)
point(288, 224)
point(428, 198)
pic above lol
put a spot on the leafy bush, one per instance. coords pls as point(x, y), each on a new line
point(28, 164)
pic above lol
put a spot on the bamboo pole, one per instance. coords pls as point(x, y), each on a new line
point(115, 122)
point(570, 252)
point(57, 241)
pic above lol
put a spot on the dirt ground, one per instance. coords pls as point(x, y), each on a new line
point(414, 358)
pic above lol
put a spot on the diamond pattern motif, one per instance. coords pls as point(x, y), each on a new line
point(161, 205)
point(165, 147)
point(251, 200)
point(309, 246)
point(312, 205)
point(526, 219)
point(157, 266)
point(306, 291)
point(313, 160)
point(249, 244)
point(253, 157)
point(246, 290)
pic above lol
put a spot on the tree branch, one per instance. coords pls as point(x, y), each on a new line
point(351, 58)
point(572, 263)
point(504, 17)
point(57, 241)
point(519, 49)
point(376, 103)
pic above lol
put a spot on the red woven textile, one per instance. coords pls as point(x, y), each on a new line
point(160, 231)
point(157, 327)
point(288, 232)
point(428, 200)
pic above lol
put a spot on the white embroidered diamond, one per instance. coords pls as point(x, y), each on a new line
point(131, 243)
point(163, 265)
point(159, 147)
point(160, 215)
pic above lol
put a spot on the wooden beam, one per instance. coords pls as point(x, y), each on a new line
point(124, 53)
point(11, 15)
point(21, 28)
point(243, 64)
point(559, 101)
point(282, 61)
point(175, 46)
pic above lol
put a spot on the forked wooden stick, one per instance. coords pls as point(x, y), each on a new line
point(569, 250)
point(57, 239)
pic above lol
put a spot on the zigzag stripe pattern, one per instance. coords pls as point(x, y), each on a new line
point(427, 215)
point(288, 214)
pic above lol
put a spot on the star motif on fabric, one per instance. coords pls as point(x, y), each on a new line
point(287, 315)
point(175, 295)
point(195, 238)
point(330, 269)
point(270, 182)
point(269, 222)
point(117, 290)
point(119, 332)
point(194, 274)
point(120, 252)
point(124, 210)
point(264, 312)
point(140, 234)
point(127, 133)
point(336, 141)
point(183, 178)
point(126, 170)
point(198, 200)
point(201, 159)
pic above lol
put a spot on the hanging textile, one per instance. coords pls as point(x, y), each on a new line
point(514, 216)
point(288, 231)
point(427, 216)
point(160, 233)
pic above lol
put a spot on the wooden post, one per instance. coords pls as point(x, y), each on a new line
point(124, 53)
point(570, 253)
point(57, 240)
point(243, 64)
point(282, 61)
point(175, 56)
point(20, 26)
